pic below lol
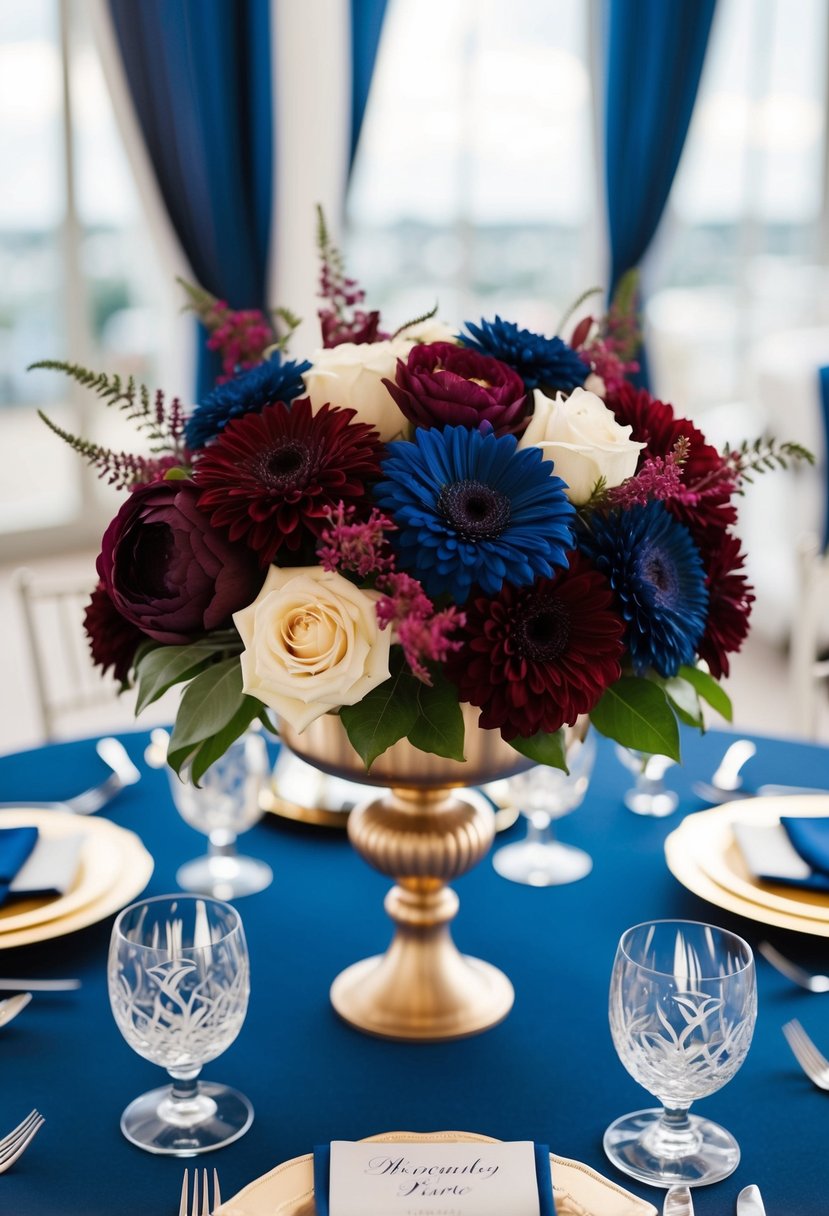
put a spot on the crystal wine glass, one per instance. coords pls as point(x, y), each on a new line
point(544, 794)
point(226, 802)
point(650, 795)
point(683, 1001)
point(178, 978)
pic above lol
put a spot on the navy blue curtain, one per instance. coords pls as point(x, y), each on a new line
point(199, 72)
point(654, 54)
point(824, 413)
point(366, 26)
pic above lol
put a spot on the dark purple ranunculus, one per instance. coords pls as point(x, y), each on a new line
point(446, 385)
point(168, 571)
point(113, 640)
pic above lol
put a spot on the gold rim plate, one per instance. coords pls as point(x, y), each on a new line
point(703, 856)
point(99, 864)
point(579, 1190)
point(130, 874)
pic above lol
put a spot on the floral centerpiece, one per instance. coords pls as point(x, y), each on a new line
point(407, 521)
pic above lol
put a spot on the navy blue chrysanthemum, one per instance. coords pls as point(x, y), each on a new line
point(247, 393)
point(657, 574)
point(471, 509)
point(547, 363)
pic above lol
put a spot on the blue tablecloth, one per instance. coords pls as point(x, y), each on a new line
point(548, 1073)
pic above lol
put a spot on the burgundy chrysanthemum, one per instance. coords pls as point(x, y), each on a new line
point(442, 384)
point(729, 604)
point(536, 657)
point(113, 640)
point(274, 479)
point(704, 505)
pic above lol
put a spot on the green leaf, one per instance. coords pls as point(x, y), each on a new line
point(685, 701)
point(216, 746)
point(438, 727)
point(208, 705)
point(709, 690)
point(160, 667)
point(383, 716)
point(177, 474)
point(543, 748)
point(636, 713)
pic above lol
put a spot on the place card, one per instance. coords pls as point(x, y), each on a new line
point(433, 1179)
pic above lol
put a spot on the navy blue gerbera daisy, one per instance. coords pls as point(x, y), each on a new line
point(657, 574)
point(546, 363)
point(247, 393)
point(471, 509)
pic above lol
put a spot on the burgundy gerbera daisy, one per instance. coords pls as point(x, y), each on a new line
point(536, 657)
point(729, 604)
point(274, 479)
point(704, 505)
point(113, 640)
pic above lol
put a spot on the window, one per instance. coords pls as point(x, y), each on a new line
point(79, 278)
point(475, 177)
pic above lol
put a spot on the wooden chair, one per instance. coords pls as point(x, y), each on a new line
point(67, 685)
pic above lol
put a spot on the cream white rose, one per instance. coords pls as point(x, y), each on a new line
point(580, 434)
point(430, 330)
point(351, 376)
point(312, 643)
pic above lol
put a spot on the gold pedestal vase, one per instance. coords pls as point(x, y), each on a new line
point(422, 833)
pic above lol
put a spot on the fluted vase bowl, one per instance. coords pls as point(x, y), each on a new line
point(422, 833)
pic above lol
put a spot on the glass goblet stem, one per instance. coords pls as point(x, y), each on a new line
point(540, 828)
point(674, 1135)
point(222, 843)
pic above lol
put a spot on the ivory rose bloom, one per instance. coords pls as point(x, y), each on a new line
point(581, 435)
point(312, 643)
point(351, 376)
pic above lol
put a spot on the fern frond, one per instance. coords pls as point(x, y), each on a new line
point(576, 305)
point(121, 469)
point(162, 423)
point(426, 316)
point(765, 454)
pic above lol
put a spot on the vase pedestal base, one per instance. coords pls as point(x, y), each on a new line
point(420, 991)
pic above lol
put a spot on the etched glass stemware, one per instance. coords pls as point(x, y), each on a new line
point(543, 794)
point(178, 979)
point(683, 1003)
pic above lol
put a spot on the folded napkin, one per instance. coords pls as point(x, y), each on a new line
point(544, 1178)
point(794, 853)
point(16, 845)
point(50, 869)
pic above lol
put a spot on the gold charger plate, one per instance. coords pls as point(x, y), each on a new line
point(99, 864)
point(717, 853)
point(769, 905)
point(134, 865)
point(579, 1190)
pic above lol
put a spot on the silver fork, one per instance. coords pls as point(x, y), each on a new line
point(814, 1063)
point(17, 1141)
point(207, 1208)
point(798, 975)
point(124, 773)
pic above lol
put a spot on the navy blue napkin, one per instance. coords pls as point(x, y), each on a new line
point(322, 1173)
point(15, 846)
point(810, 838)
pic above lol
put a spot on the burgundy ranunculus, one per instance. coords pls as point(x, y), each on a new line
point(113, 640)
point(168, 571)
point(446, 385)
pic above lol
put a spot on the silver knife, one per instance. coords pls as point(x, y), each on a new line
point(678, 1202)
point(750, 1202)
point(39, 985)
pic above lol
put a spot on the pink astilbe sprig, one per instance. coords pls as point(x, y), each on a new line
point(342, 321)
point(660, 477)
point(240, 336)
point(609, 346)
point(423, 633)
point(357, 546)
